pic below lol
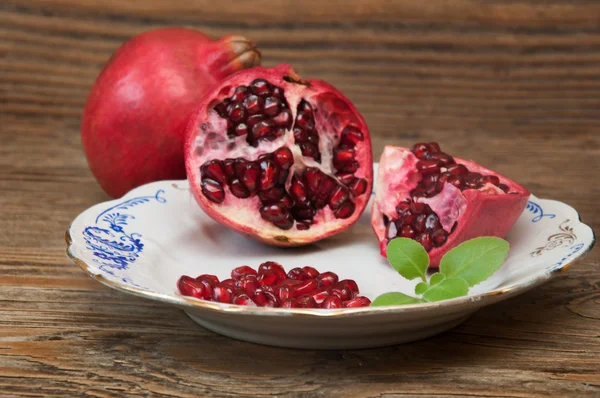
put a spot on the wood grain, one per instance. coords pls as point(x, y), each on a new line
point(511, 84)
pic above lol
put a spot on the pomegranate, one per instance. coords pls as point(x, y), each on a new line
point(270, 286)
point(441, 201)
point(136, 114)
point(283, 160)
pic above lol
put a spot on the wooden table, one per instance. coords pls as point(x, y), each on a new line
point(512, 84)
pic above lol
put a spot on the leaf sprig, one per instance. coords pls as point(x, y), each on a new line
point(461, 268)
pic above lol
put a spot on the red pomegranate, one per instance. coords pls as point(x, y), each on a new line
point(283, 160)
point(440, 201)
point(135, 117)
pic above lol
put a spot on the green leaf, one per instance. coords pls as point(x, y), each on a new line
point(394, 298)
point(421, 287)
point(436, 278)
point(475, 260)
point(408, 257)
point(447, 289)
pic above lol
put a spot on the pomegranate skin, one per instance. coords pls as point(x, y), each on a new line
point(478, 212)
point(134, 122)
point(336, 112)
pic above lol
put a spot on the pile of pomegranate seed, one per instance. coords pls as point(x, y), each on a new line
point(417, 220)
point(260, 112)
point(270, 286)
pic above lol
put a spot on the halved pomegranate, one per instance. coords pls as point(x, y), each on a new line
point(283, 160)
point(441, 201)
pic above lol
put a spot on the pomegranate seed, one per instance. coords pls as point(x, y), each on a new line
point(283, 157)
point(313, 179)
point(458, 170)
point(345, 211)
point(303, 225)
point(283, 119)
point(189, 286)
point(223, 294)
point(428, 166)
point(358, 187)
point(345, 178)
point(305, 121)
point(310, 271)
point(351, 285)
point(274, 267)
point(286, 223)
point(254, 120)
point(249, 176)
point(290, 282)
point(439, 237)
point(243, 299)
point(290, 303)
point(237, 113)
point(435, 147)
point(472, 180)
point(342, 292)
point(272, 196)
point(342, 155)
point(221, 108)
point(297, 274)
point(403, 206)
point(407, 232)
point(286, 201)
point(248, 283)
point(238, 189)
point(327, 279)
point(306, 302)
point(277, 92)
point(228, 282)
point(242, 271)
point(351, 136)
point(339, 196)
point(214, 170)
point(489, 180)
point(311, 151)
point(419, 223)
point(358, 301)
point(432, 221)
point(260, 297)
point(272, 299)
point(241, 129)
point(297, 189)
point(457, 181)
point(213, 190)
point(350, 167)
point(504, 187)
point(212, 278)
point(442, 159)
point(300, 135)
point(240, 93)
point(305, 287)
point(325, 191)
point(425, 240)
point(262, 129)
point(283, 292)
point(272, 106)
point(269, 174)
point(332, 302)
point(260, 87)
point(267, 278)
point(418, 208)
point(421, 150)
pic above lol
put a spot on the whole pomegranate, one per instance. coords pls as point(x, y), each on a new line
point(135, 117)
point(441, 201)
point(283, 160)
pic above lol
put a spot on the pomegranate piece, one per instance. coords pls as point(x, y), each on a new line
point(441, 201)
point(271, 287)
point(283, 160)
point(135, 117)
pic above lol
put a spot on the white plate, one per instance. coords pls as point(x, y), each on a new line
point(142, 243)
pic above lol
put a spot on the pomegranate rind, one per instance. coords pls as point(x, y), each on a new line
point(484, 212)
point(231, 213)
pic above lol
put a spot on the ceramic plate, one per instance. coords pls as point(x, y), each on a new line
point(142, 243)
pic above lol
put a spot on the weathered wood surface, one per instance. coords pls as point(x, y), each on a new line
point(512, 84)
